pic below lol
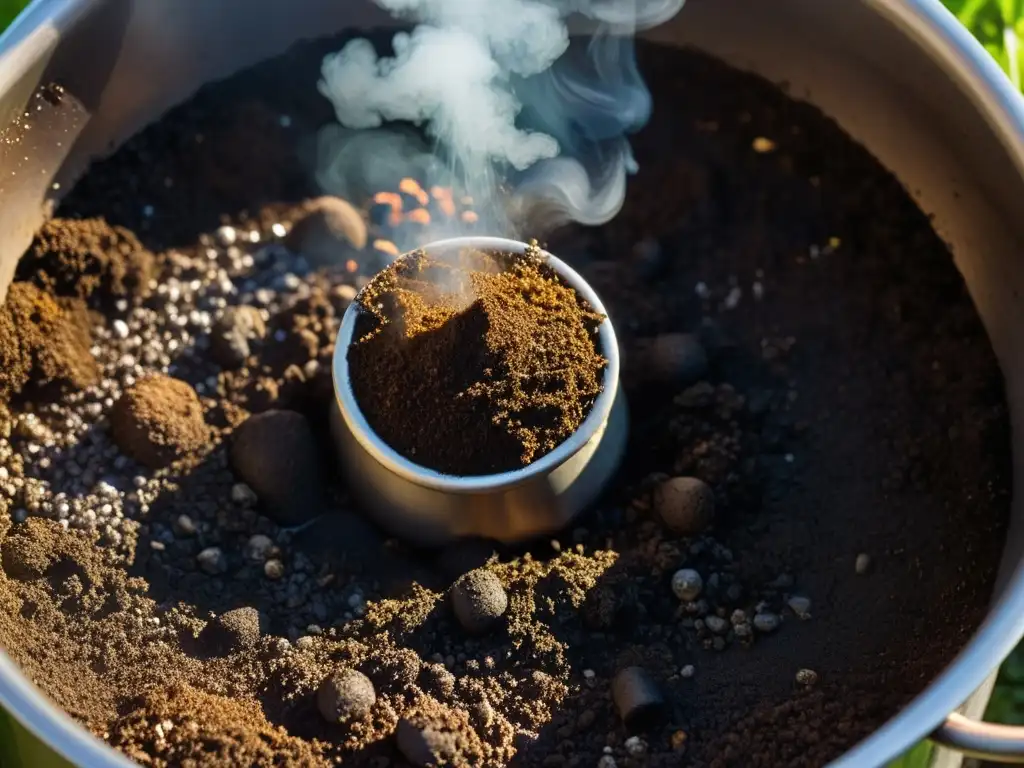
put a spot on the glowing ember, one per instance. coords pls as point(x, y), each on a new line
point(413, 188)
point(386, 246)
point(419, 216)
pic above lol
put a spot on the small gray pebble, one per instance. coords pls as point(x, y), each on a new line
point(258, 548)
point(688, 671)
point(345, 695)
point(232, 332)
point(636, 697)
point(863, 563)
point(717, 624)
point(807, 677)
point(801, 606)
point(273, 569)
point(184, 526)
point(687, 584)
point(212, 561)
point(738, 617)
point(766, 622)
point(479, 600)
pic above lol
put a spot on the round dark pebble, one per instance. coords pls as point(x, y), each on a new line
point(232, 332)
point(637, 699)
point(677, 358)
point(328, 233)
point(685, 504)
point(345, 695)
point(479, 600)
point(232, 631)
point(275, 454)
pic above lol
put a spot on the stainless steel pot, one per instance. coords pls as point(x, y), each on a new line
point(429, 507)
point(900, 75)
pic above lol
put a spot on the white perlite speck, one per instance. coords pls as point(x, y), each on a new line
point(801, 606)
point(243, 494)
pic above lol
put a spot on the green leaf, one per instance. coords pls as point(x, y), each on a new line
point(918, 757)
point(9, 9)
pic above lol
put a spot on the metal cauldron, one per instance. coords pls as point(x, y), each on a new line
point(901, 76)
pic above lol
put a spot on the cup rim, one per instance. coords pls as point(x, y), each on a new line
point(409, 470)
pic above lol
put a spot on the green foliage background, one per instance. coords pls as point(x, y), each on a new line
point(999, 26)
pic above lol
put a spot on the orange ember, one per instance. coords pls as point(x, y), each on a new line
point(412, 187)
point(394, 200)
point(470, 217)
point(389, 198)
point(419, 216)
point(351, 265)
point(386, 246)
point(445, 201)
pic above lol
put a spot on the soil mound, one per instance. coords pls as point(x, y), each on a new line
point(496, 349)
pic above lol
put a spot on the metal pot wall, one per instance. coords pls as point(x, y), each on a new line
point(901, 76)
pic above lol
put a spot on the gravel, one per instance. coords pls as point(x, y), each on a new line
point(212, 561)
point(232, 333)
point(767, 622)
point(801, 606)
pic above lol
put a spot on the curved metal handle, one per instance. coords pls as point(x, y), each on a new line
point(986, 741)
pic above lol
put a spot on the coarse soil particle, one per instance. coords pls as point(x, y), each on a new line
point(43, 339)
point(495, 347)
point(158, 421)
point(855, 406)
point(88, 259)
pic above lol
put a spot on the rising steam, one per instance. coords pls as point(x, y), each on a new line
point(530, 123)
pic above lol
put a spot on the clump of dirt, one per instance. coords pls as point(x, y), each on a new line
point(496, 348)
point(43, 340)
point(158, 421)
point(185, 726)
point(88, 259)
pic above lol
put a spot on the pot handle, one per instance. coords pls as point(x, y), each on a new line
point(985, 741)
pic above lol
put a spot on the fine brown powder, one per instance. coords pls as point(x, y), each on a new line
point(476, 363)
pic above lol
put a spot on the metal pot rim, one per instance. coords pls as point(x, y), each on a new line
point(429, 478)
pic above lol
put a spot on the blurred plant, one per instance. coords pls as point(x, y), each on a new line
point(998, 25)
point(8, 10)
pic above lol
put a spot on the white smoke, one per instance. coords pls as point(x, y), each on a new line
point(508, 101)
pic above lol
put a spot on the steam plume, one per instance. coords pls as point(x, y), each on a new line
point(530, 123)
